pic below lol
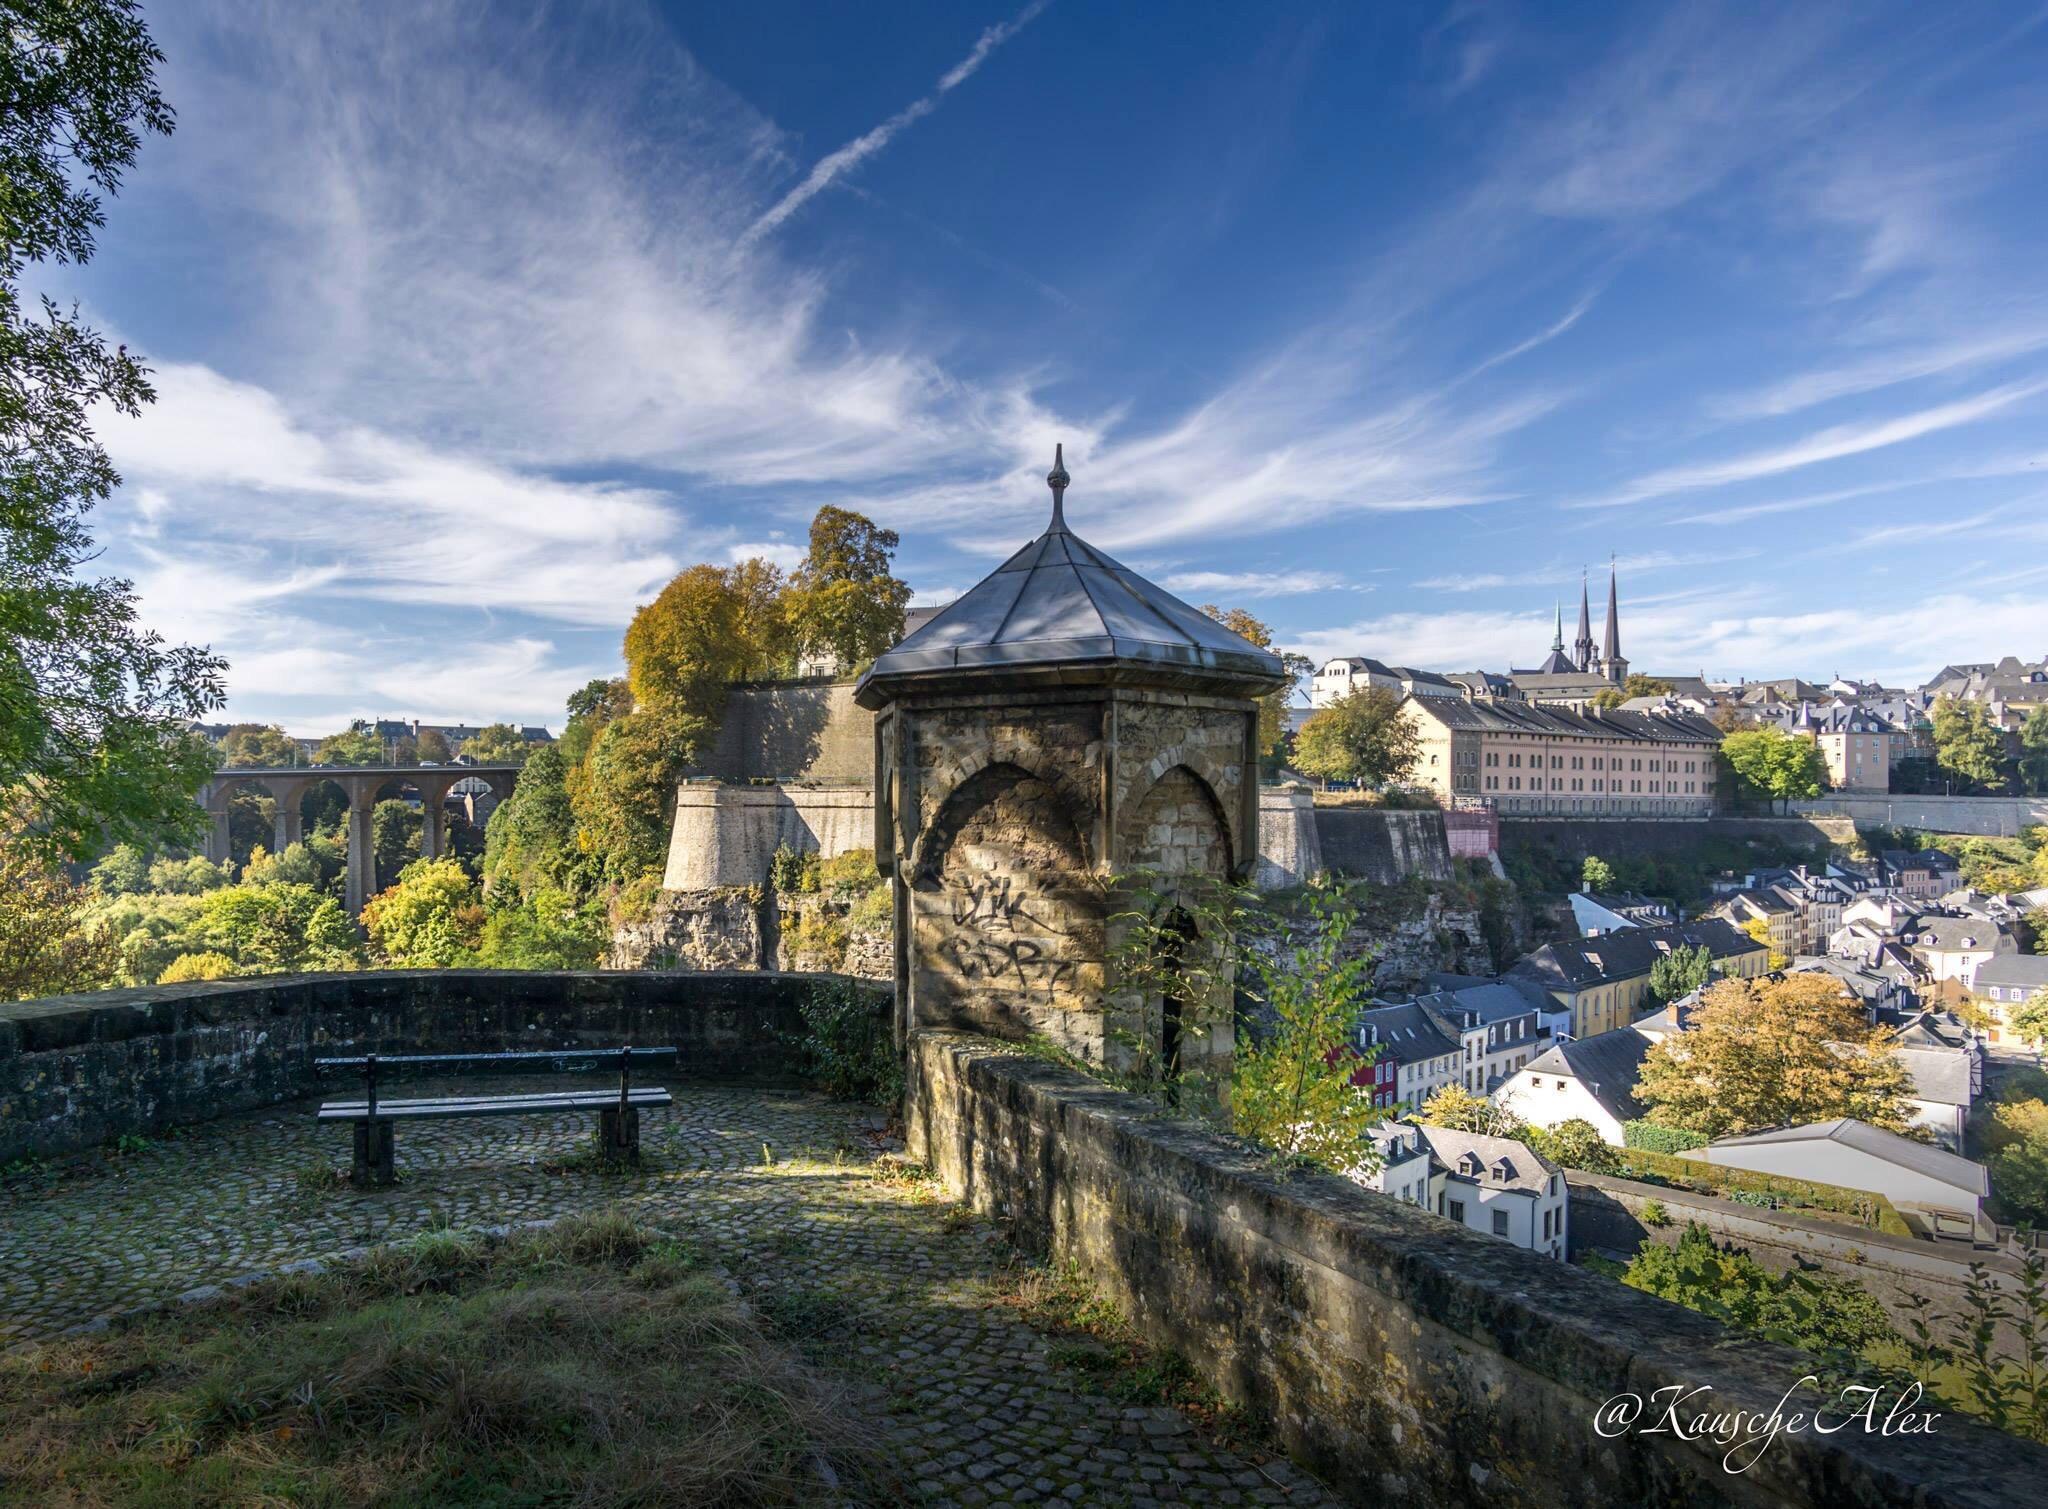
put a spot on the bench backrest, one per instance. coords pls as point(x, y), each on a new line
point(564, 1060)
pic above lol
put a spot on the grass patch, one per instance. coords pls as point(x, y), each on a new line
point(1092, 1337)
point(598, 1362)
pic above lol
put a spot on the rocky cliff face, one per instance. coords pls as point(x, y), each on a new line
point(743, 927)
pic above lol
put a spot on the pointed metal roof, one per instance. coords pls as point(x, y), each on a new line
point(1060, 609)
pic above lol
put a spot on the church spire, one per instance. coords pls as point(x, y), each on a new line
point(1611, 663)
point(1582, 647)
point(1557, 639)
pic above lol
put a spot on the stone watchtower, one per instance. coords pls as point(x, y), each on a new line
point(1064, 723)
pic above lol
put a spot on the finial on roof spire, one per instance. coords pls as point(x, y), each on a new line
point(1057, 479)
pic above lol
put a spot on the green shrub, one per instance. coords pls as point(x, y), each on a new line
point(206, 966)
point(817, 940)
point(1652, 1138)
point(792, 872)
point(848, 1046)
point(875, 912)
point(847, 875)
point(1653, 1214)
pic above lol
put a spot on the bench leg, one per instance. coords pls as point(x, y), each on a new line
point(618, 1134)
point(376, 1163)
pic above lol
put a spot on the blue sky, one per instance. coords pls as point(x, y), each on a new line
point(472, 323)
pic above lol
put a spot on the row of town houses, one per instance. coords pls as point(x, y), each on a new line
point(1562, 1035)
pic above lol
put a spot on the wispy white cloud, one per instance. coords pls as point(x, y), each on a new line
point(1830, 444)
point(1805, 389)
point(1252, 583)
point(835, 165)
point(1482, 581)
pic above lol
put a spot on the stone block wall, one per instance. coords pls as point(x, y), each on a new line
point(78, 1071)
point(807, 730)
point(1410, 1361)
point(1385, 847)
point(728, 835)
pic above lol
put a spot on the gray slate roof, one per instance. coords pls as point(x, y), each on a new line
point(1922, 1158)
point(1061, 604)
point(1608, 1064)
point(1406, 1032)
point(1504, 1162)
point(1629, 952)
point(1939, 1075)
point(1557, 722)
point(2027, 971)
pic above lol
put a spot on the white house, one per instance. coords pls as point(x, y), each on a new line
point(1502, 1188)
point(1951, 948)
point(1857, 1155)
point(1585, 1079)
point(1408, 1170)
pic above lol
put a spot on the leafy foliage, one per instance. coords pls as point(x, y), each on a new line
point(1967, 746)
point(496, 744)
point(277, 929)
point(1773, 764)
point(205, 966)
point(1597, 874)
point(1272, 706)
point(1774, 1052)
point(1679, 973)
point(257, 744)
point(1292, 1085)
point(2034, 751)
point(1460, 1110)
point(94, 744)
point(844, 601)
point(355, 745)
point(432, 919)
point(1816, 1313)
point(46, 946)
point(847, 1044)
point(1651, 1137)
point(2018, 1144)
point(548, 929)
point(1361, 737)
point(1574, 1144)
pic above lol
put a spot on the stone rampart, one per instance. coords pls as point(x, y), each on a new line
point(1385, 846)
point(79, 1071)
point(1408, 1360)
point(1989, 816)
point(804, 730)
point(728, 835)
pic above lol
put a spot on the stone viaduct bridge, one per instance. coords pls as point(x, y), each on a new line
point(361, 785)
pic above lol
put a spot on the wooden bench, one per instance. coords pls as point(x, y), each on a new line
point(374, 1116)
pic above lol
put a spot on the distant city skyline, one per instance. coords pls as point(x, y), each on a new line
point(471, 325)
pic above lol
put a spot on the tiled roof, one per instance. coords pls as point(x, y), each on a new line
point(1406, 1032)
point(1552, 722)
point(1608, 1064)
point(1629, 953)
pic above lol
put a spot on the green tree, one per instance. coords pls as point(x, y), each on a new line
point(1775, 765)
point(1460, 1110)
point(1766, 1053)
point(2018, 1142)
point(1967, 747)
point(496, 744)
point(2034, 750)
point(620, 795)
point(1292, 1085)
point(1682, 971)
point(530, 845)
point(548, 930)
point(277, 929)
point(395, 828)
point(188, 877)
point(432, 748)
point(95, 744)
point(1596, 874)
point(2030, 1022)
point(257, 744)
point(49, 944)
point(844, 600)
point(122, 872)
point(1637, 685)
point(208, 966)
point(1816, 1313)
point(296, 865)
point(1574, 1144)
point(1362, 737)
point(431, 919)
point(357, 745)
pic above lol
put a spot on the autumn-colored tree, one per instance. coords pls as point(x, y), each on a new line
point(432, 747)
point(1460, 1110)
point(2034, 751)
point(1596, 874)
point(2030, 1022)
point(844, 601)
point(704, 632)
point(47, 947)
point(1272, 706)
point(1775, 1052)
point(1362, 737)
point(1758, 930)
point(620, 795)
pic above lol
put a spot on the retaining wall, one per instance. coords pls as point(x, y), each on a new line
point(1990, 816)
point(807, 730)
point(1410, 1361)
point(79, 1071)
point(728, 835)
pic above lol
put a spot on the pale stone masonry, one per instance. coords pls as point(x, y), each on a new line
point(1542, 761)
point(1062, 726)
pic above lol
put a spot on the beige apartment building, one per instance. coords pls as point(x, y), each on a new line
point(1860, 747)
point(1540, 760)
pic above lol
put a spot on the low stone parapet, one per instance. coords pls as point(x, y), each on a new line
point(80, 1071)
point(1406, 1359)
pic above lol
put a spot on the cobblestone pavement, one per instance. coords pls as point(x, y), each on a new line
point(876, 1274)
